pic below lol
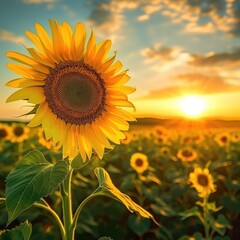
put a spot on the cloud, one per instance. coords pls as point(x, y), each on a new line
point(193, 27)
point(224, 60)
point(11, 37)
point(192, 72)
point(203, 17)
point(50, 3)
point(194, 83)
point(160, 53)
point(38, 1)
point(107, 16)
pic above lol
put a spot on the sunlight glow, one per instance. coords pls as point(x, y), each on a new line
point(192, 105)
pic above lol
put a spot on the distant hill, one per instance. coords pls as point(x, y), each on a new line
point(178, 122)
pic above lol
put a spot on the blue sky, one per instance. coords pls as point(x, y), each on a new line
point(171, 48)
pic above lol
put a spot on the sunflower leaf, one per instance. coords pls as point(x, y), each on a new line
point(21, 232)
point(33, 178)
point(107, 188)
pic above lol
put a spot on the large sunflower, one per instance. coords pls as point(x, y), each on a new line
point(202, 181)
point(78, 91)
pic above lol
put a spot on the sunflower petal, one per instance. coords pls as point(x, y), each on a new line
point(40, 114)
point(79, 41)
point(32, 94)
point(26, 72)
point(94, 142)
point(24, 82)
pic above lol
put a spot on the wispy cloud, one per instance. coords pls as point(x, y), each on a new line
point(108, 17)
point(194, 83)
point(49, 3)
point(223, 60)
point(11, 37)
point(38, 1)
point(193, 72)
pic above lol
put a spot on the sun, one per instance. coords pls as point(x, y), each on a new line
point(192, 105)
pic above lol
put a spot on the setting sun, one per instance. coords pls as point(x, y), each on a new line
point(192, 106)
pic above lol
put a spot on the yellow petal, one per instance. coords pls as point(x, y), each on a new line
point(26, 72)
point(24, 82)
point(121, 113)
point(123, 89)
point(68, 38)
point(28, 61)
point(32, 94)
point(86, 144)
point(94, 141)
point(40, 58)
point(80, 143)
point(44, 37)
point(35, 39)
point(102, 50)
point(99, 135)
point(58, 43)
point(121, 103)
point(40, 114)
point(47, 124)
point(91, 50)
point(119, 122)
point(79, 41)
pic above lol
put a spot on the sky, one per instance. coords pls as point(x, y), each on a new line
point(172, 48)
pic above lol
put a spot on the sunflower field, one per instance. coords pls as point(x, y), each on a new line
point(187, 178)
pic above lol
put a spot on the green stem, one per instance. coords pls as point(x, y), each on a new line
point(67, 206)
point(206, 219)
point(54, 214)
point(80, 207)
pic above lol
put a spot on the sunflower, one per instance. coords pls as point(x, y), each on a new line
point(77, 90)
point(20, 133)
point(139, 162)
point(235, 137)
point(5, 132)
point(223, 139)
point(202, 181)
point(187, 154)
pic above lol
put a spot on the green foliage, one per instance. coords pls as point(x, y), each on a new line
point(21, 232)
point(163, 189)
point(33, 178)
point(106, 187)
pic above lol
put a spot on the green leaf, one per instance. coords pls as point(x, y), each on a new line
point(212, 206)
point(33, 178)
point(107, 188)
point(138, 225)
point(21, 232)
point(191, 212)
point(2, 205)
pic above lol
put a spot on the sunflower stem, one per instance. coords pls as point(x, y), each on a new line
point(67, 206)
point(206, 218)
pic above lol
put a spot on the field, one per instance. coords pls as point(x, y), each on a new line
point(153, 166)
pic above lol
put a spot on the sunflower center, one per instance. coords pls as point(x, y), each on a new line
point(75, 92)
point(187, 153)
point(18, 131)
point(202, 180)
point(3, 133)
point(224, 139)
point(139, 162)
